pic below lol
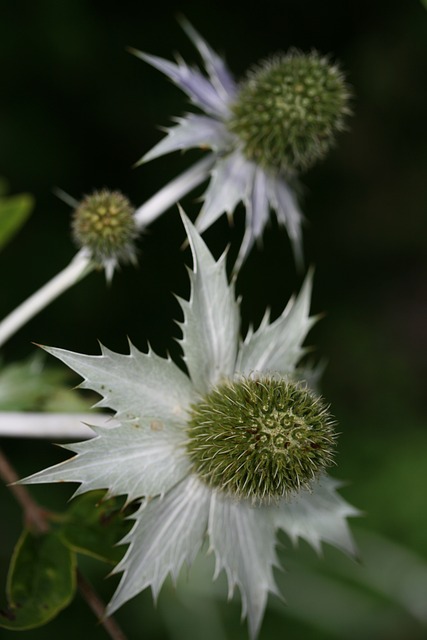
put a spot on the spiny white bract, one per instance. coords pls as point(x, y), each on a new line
point(233, 177)
point(147, 456)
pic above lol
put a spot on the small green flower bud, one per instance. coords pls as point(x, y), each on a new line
point(288, 110)
point(104, 223)
point(261, 439)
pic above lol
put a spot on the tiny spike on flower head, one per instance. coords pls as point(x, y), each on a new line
point(288, 110)
point(104, 224)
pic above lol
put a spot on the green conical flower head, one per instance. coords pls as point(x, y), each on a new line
point(260, 439)
point(104, 223)
point(288, 110)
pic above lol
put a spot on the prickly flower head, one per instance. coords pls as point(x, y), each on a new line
point(104, 224)
point(288, 110)
point(262, 438)
point(231, 451)
point(261, 132)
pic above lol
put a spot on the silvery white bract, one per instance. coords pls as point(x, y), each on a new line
point(146, 456)
point(234, 179)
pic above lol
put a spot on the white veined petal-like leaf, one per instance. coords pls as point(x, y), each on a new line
point(243, 539)
point(191, 131)
point(278, 346)
point(215, 65)
point(211, 318)
point(283, 201)
point(138, 385)
point(248, 241)
point(257, 216)
point(191, 81)
point(318, 515)
point(231, 183)
point(168, 532)
point(140, 460)
point(259, 204)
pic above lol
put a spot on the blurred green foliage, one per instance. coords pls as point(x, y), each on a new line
point(94, 524)
point(77, 112)
point(31, 385)
point(42, 576)
point(41, 581)
point(13, 213)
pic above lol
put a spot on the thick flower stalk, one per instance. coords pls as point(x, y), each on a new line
point(232, 451)
point(281, 119)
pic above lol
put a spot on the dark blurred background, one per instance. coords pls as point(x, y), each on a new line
point(77, 111)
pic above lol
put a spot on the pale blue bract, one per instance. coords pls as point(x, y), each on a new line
point(233, 178)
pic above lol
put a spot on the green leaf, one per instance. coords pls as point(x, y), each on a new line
point(94, 525)
point(4, 186)
point(13, 213)
point(31, 386)
point(40, 583)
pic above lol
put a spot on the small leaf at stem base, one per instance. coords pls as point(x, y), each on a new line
point(41, 581)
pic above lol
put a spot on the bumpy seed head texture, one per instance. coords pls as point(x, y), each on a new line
point(104, 223)
point(288, 111)
point(261, 439)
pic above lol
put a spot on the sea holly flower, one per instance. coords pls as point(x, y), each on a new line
point(282, 118)
point(231, 451)
point(104, 226)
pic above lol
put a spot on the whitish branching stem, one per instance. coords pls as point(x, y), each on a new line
point(81, 264)
point(52, 425)
point(174, 191)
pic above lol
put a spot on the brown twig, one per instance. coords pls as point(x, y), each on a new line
point(37, 518)
point(98, 608)
point(34, 516)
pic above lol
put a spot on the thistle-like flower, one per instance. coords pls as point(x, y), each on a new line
point(282, 118)
point(231, 452)
point(104, 225)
